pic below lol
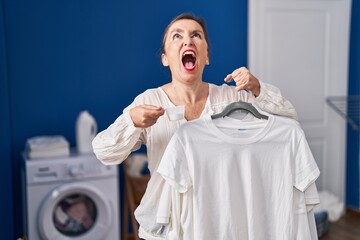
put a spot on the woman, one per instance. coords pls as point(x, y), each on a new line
point(185, 52)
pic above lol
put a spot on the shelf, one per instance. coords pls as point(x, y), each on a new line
point(348, 107)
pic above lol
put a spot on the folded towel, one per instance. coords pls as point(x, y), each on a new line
point(41, 143)
point(47, 146)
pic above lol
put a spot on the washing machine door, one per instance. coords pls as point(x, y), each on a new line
point(76, 211)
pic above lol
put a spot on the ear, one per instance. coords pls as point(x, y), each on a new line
point(164, 60)
point(207, 62)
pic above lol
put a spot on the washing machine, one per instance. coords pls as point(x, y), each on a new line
point(71, 198)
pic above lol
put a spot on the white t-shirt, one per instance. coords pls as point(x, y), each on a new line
point(178, 207)
point(304, 219)
point(114, 144)
point(242, 175)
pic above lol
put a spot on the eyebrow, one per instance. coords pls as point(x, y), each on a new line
point(181, 31)
point(176, 30)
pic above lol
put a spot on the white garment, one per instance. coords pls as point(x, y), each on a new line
point(114, 144)
point(177, 207)
point(304, 219)
point(242, 175)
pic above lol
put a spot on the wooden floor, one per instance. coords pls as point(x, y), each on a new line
point(347, 228)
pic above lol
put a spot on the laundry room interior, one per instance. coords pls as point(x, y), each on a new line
point(68, 69)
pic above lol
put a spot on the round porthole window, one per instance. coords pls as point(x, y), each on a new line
point(76, 211)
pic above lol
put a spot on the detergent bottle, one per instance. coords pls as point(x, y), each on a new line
point(86, 129)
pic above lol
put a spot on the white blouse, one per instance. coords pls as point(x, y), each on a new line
point(114, 144)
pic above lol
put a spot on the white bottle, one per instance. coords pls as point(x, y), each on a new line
point(86, 129)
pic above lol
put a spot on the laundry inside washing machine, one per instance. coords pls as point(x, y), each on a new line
point(74, 215)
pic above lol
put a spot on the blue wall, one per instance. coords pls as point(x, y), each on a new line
point(65, 56)
point(6, 190)
point(352, 167)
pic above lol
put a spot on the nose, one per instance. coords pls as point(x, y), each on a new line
point(188, 41)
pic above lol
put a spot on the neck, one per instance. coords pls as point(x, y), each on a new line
point(193, 97)
point(188, 94)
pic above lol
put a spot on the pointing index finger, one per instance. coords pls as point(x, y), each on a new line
point(228, 78)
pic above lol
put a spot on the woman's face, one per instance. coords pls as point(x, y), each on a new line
point(186, 50)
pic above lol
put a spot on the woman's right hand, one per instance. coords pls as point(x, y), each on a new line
point(144, 116)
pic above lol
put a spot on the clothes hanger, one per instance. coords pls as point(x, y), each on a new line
point(240, 105)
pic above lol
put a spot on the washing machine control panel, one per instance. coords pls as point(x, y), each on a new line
point(86, 169)
point(72, 167)
point(75, 171)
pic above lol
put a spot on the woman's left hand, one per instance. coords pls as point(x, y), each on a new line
point(244, 80)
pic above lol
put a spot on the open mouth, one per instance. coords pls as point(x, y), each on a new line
point(188, 60)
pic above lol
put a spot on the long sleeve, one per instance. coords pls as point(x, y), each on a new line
point(114, 144)
point(270, 100)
